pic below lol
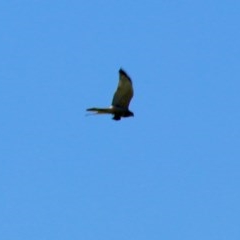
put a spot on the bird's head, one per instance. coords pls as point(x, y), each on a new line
point(129, 114)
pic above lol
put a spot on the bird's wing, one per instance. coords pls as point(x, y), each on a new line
point(101, 110)
point(124, 92)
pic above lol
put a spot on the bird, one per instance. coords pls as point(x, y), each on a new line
point(121, 99)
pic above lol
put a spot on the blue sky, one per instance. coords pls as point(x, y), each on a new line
point(171, 172)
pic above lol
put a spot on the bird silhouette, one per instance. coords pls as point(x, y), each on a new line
point(121, 99)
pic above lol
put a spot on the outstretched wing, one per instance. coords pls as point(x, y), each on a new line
point(101, 110)
point(124, 92)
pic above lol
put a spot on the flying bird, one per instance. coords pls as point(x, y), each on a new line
point(121, 99)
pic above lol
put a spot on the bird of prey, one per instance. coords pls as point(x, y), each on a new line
point(121, 99)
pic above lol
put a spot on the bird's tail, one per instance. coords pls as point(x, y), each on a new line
point(100, 110)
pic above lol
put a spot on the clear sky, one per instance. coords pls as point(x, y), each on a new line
point(171, 172)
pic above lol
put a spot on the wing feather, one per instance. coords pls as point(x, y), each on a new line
point(124, 92)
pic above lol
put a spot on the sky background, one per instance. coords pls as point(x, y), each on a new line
point(171, 172)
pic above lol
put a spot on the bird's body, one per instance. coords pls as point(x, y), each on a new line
point(121, 99)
